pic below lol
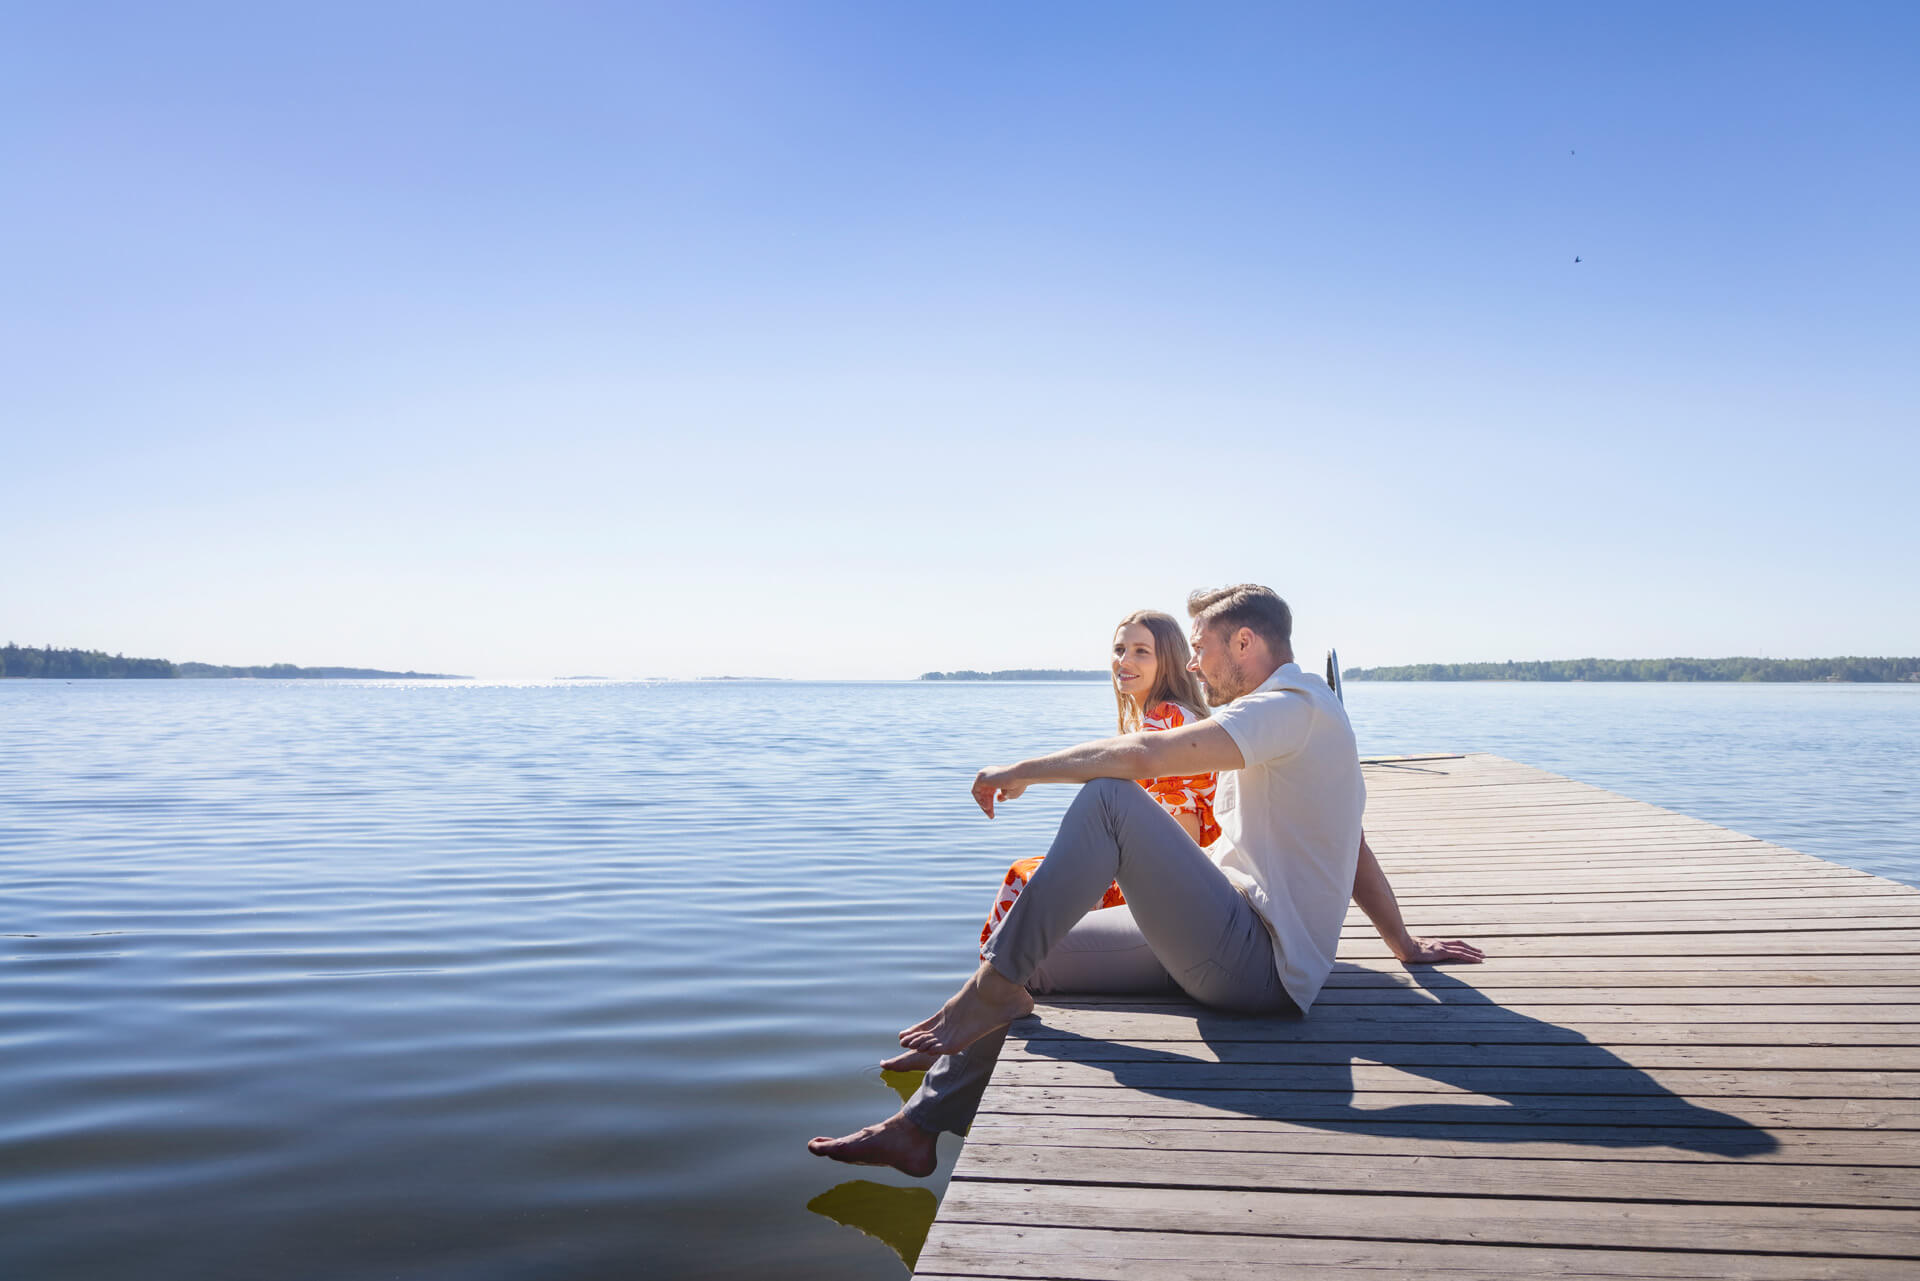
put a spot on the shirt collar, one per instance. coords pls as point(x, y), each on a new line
point(1285, 676)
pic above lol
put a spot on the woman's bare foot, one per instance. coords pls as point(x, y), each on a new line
point(908, 1061)
point(896, 1141)
point(986, 1001)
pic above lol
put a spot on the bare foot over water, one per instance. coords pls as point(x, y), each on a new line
point(985, 1002)
point(908, 1061)
point(896, 1141)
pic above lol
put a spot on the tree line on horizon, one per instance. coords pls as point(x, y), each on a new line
point(94, 664)
point(76, 664)
point(1851, 669)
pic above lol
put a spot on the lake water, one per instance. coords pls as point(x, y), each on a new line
point(489, 982)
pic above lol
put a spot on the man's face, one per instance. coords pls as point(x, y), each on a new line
point(1213, 662)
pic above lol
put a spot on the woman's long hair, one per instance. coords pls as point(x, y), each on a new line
point(1171, 679)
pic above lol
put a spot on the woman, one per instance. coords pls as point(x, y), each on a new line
point(1152, 690)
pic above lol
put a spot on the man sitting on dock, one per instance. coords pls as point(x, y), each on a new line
point(1249, 925)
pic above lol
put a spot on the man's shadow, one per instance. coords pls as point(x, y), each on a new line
point(1552, 1083)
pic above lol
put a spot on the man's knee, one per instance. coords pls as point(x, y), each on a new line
point(1116, 804)
point(1109, 791)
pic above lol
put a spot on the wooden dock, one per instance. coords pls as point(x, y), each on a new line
point(1690, 1054)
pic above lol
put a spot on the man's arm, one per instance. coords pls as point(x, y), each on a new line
point(1200, 748)
point(1375, 897)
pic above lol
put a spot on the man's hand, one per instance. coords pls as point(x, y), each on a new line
point(996, 784)
point(1414, 950)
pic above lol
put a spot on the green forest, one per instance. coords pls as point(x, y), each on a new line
point(1654, 669)
point(1018, 674)
point(88, 664)
point(77, 663)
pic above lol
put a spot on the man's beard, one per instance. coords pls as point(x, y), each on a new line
point(1236, 685)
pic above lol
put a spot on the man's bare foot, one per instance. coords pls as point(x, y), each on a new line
point(908, 1061)
point(896, 1141)
point(986, 1001)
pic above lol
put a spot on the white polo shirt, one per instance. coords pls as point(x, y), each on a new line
point(1290, 820)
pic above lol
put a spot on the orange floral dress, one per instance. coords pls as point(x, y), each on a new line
point(1192, 794)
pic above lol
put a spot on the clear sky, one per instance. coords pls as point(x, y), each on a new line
point(853, 340)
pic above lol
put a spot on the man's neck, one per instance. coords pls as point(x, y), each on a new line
point(1267, 675)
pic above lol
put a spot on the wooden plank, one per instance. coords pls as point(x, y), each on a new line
point(1426, 1015)
point(1552, 1008)
point(1455, 1027)
point(1678, 877)
point(1176, 1071)
point(1759, 893)
point(1458, 1218)
point(1900, 942)
point(1802, 1058)
point(1740, 1115)
point(1643, 995)
point(1085, 1254)
point(1376, 1173)
point(1143, 1135)
point(1642, 972)
point(1565, 823)
point(1560, 929)
point(1836, 965)
point(1875, 913)
point(1681, 860)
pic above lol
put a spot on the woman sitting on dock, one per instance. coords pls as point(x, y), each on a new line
point(1152, 690)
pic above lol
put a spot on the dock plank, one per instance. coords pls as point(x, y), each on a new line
point(997, 1252)
point(1693, 1053)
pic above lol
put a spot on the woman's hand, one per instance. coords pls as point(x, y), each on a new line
point(996, 784)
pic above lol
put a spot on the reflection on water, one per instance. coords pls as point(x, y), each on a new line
point(901, 1217)
point(496, 983)
point(902, 1083)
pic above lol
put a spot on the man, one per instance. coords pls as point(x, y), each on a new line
point(1250, 925)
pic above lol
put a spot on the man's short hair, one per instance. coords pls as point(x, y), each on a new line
point(1245, 605)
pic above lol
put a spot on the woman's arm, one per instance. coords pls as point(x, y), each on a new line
point(1190, 824)
point(1375, 897)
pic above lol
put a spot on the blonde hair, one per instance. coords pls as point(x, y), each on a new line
point(1172, 682)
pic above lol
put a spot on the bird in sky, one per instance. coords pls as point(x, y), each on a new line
point(1576, 257)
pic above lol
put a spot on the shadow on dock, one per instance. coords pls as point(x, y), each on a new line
point(1548, 1079)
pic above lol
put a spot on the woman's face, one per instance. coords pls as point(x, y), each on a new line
point(1134, 662)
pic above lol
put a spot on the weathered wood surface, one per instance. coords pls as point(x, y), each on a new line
point(1690, 1054)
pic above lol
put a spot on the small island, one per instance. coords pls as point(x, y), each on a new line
point(49, 663)
point(1857, 670)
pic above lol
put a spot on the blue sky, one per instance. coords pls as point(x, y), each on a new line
point(855, 340)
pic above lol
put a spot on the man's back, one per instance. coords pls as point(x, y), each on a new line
point(1290, 819)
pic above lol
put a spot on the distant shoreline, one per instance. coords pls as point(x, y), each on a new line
point(21, 663)
point(1845, 670)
